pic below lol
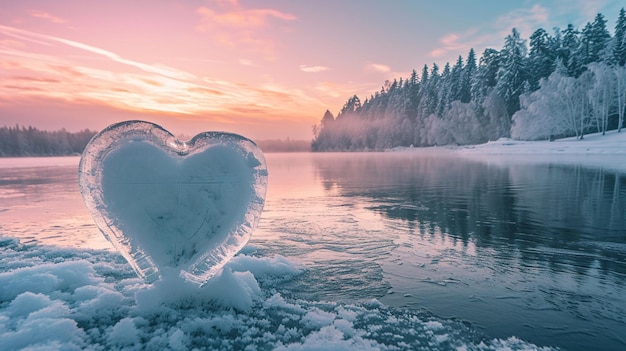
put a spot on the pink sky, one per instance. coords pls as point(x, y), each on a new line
point(263, 69)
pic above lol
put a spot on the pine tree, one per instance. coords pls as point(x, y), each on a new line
point(413, 86)
point(456, 76)
point(352, 105)
point(513, 74)
point(467, 77)
point(541, 59)
point(619, 46)
point(444, 91)
point(600, 38)
point(567, 54)
point(486, 73)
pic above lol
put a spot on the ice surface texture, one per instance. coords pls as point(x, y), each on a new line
point(173, 207)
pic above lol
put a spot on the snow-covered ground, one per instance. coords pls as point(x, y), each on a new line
point(594, 150)
point(613, 143)
point(71, 299)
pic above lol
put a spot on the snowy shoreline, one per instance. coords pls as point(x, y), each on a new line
point(613, 143)
point(595, 150)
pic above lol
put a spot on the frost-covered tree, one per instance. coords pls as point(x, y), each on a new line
point(541, 58)
point(493, 109)
point(545, 112)
point(600, 94)
point(619, 39)
point(469, 71)
point(463, 124)
point(600, 38)
point(569, 51)
point(620, 93)
point(350, 106)
point(560, 107)
point(456, 77)
point(574, 74)
point(513, 72)
point(445, 93)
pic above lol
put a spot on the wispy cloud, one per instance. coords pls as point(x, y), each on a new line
point(232, 24)
point(579, 12)
point(132, 85)
point(378, 67)
point(525, 20)
point(46, 16)
point(48, 40)
point(313, 69)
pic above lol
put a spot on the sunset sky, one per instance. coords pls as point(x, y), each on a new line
point(264, 69)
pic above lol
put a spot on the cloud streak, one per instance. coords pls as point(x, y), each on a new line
point(46, 16)
point(233, 25)
point(134, 86)
point(526, 20)
point(378, 67)
point(313, 69)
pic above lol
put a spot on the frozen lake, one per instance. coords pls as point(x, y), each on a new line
point(535, 250)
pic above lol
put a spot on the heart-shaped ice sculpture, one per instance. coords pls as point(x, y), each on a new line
point(173, 207)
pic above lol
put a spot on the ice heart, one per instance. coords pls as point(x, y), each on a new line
point(172, 207)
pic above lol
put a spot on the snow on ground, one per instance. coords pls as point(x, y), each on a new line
point(594, 150)
point(613, 143)
point(71, 299)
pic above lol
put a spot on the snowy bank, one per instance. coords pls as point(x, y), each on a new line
point(595, 150)
point(613, 143)
point(71, 299)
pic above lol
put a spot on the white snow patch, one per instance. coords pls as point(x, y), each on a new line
point(71, 299)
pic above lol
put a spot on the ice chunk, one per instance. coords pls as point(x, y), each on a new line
point(173, 207)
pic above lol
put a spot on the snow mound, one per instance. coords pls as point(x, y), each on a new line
point(613, 143)
point(72, 299)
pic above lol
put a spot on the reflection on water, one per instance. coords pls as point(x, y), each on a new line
point(532, 250)
point(40, 202)
point(535, 250)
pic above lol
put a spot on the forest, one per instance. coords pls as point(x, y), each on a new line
point(562, 83)
point(29, 141)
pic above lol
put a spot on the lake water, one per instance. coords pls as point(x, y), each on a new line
point(531, 249)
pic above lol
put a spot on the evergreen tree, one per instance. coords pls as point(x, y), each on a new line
point(456, 77)
point(568, 53)
point(619, 40)
point(467, 77)
point(444, 91)
point(561, 83)
point(486, 75)
point(541, 59)
point(600, 38)
point(513, 74)
point(350, 106)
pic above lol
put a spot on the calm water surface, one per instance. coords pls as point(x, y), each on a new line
point(536, 250)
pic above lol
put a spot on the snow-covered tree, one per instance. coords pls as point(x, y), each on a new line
point(513, 73)
point(568, 83)
point(620, 93)
point(619, 39)
point(465, 94)
point(541, 59)
point(600, 94)
point(569, 51)
point(463, 124)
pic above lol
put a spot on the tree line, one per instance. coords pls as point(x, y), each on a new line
point(565, 83)
point(29, 141)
